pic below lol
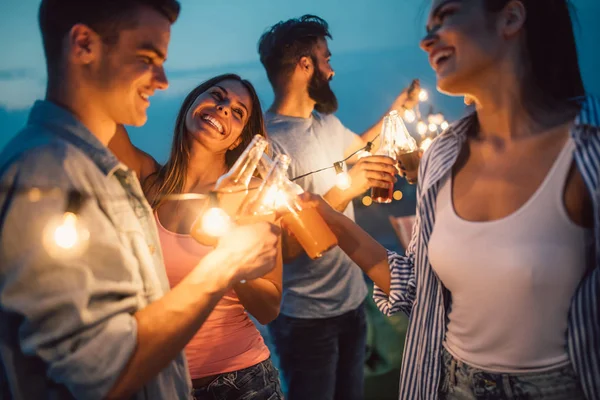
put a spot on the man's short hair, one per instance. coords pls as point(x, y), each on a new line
point(285, 43)
point(106, 17)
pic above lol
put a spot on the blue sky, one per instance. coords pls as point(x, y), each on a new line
point(375, 51)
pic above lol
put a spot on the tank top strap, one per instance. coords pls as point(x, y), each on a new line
point(557, 176)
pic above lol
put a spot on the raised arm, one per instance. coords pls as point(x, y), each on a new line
point(408, 98)
point(137, 160)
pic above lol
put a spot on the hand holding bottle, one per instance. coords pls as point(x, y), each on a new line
point(252, 249)
point(371, 172)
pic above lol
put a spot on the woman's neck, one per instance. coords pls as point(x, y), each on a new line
point(509, 109)
point(204, 168)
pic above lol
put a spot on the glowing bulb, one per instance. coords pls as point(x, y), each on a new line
point(425, 144)
point(363, 154)
point(422, 128)
point(367, 201)
point(66, 235)
point(397, 195)
point(432, 128)
point(343, 180)
point(216, 222)
point(444, 125)
point(423, 96)
point(409, 116)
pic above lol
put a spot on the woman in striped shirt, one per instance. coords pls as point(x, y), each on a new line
point(501, 280)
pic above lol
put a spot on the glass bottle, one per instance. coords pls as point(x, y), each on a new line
point(277, 194)
point(231, 188)
point(387, 148)
point(407, 149)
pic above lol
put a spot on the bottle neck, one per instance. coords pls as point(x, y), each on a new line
point(241, 172)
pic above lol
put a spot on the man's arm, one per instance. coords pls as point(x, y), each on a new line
point(167, 325)
point(82, 316)
point(406, 100)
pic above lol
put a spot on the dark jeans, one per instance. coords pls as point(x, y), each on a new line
point(322, 359)
point(464, 382)
point(259, 382)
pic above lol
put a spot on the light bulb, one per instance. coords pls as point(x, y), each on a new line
point(433, 128)
point(444, 125)
point(409, 116)
point(425, 144)
point(216, 222)
point(66, 236)
point(422, 128)
point(363, 154)
point(423, 96)
point(343, 180)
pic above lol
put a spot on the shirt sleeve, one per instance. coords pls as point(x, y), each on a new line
point(75, 313)
point(403, 287)
point(403, 282)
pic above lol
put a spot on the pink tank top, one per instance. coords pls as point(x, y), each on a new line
point(228, 340)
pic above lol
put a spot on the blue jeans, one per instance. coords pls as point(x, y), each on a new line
point(322, 359)
point(464, 382)
point(259, 382)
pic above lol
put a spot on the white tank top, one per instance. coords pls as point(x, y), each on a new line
point(511, 279)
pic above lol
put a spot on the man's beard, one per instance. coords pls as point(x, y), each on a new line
point(321, 93)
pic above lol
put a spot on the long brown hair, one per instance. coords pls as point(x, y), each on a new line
point(553, 76)
point(170, 178)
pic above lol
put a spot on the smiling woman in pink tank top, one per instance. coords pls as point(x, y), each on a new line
point(227, 357)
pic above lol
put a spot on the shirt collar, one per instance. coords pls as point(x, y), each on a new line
point(64, 124)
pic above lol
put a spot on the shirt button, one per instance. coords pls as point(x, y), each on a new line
point(151, 248)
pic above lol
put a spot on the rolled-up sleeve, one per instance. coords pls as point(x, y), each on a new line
point(76, 314)
point(402, 286)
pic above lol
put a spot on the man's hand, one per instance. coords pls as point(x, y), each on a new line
point(408, 98)
point(369, 172)
point(251, 248)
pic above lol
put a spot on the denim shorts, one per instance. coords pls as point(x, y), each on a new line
point(461, 382)
point(259, 382)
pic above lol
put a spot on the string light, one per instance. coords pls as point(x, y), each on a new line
point(366, 152)
point(409, 116)
point(65, 236)
point(342, 179)
point(425, 144)
point(68, 233)
point(422, 128)
point(215, 221)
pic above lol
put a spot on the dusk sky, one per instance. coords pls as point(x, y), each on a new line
point(375, 54)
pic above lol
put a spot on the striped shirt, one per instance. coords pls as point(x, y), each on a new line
point(417, 291)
